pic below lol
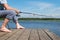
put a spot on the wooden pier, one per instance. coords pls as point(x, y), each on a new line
point(29, 34)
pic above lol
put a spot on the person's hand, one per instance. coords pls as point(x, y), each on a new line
point(17, 11)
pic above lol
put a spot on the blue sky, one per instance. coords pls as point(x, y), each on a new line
point(42, 7)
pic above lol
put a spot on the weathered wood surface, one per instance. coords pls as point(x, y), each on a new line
point(29, 34)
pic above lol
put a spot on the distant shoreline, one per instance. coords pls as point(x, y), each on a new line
point(39, 18)
point(36, 18)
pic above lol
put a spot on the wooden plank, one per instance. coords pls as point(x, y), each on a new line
point(8, 35)
point(52, 35)
point(25, 35)
point(3, 33)
point(43, 35)
point(34, 35)
point(16, 35)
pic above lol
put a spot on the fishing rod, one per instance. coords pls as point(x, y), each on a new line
point(30, 13)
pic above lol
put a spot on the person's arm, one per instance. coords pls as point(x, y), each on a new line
point(7, 7)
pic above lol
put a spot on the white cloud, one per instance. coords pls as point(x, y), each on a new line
point(41, 5)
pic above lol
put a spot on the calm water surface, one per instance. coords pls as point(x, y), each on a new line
point(53, 26)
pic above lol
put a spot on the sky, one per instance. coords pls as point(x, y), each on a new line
point(50, 8)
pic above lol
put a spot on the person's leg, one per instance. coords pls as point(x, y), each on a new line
point(8, 15)
point(18, 26)
point(3, 27)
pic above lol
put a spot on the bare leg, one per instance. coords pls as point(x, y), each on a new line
point(18, 26)
point(3, 27)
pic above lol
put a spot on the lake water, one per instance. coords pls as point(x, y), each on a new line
point(53, 26)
